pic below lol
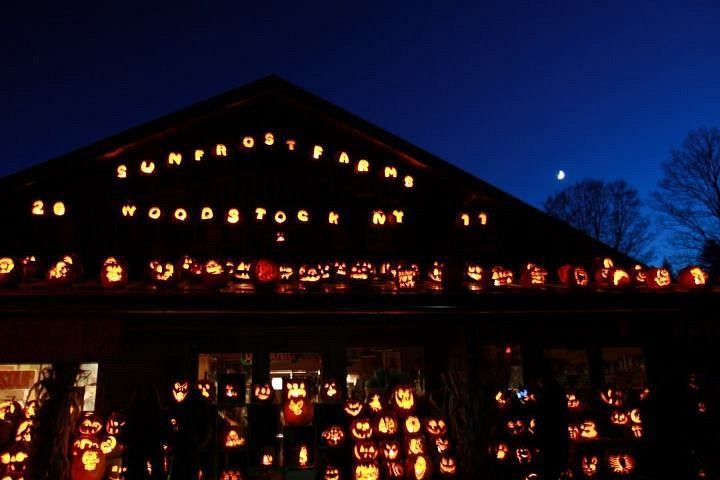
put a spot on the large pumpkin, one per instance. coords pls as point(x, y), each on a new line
point(533, 276)
point(88, 459)
point(403, 399)
point(693, 277)
point(298, 408)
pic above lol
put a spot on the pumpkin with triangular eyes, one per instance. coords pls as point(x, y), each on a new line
point(330, 391)
point(390, 449)
point(365, 450)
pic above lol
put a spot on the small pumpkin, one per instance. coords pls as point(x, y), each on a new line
point(333, 436)
point(418, 467)
point(113, 273)
point(88, 459)
point(403, 399)
point(361, 428)
point(263, 393)
point(435, 426)
point(330, 391)
point(447, 466)
point(353, 407)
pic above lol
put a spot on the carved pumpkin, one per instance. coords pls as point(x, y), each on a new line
point(435, 426)
point(265, 271)
point(232, 437)
point(693, 277)
point(362, 271)
point(205, 389)
point(29, 267)
point(88, 460)
point(365, 450)
point(63, 272)
point(573, 403)
point(263, 393)
point(90, 424)
point(618, 417)
point(366, 471)
point(180, 391)
point(386, 426)
point(474, 276)
point(415, 445)
point(639, 277)
point(403, 399)
point(412, 425)
point(353, 407)
point(231, 475)
point(232, 388)
point(501, 399)
point(304, 459)
point(442, 445)
point(24, 431)
point(618, 278)
point(573, 276)
point(375, 402)
point(436, 275)
point(115, 424)
point(447, 466)
point(406, 277)
point(602, 267)
point(361, 428)
point(14, 461)
point(333, 435)
point(330, 391)
point(533, 276)
point(515, 427)
point(310, 274)
point(113, 273)
point(110, 446)
point(612, 396)
point(657, 278)
point(394, 469)
point(621, 463)
point(214, 274)
point(635, 416)
point(267, 457)
point(588, 430)
point(162, 274)
point(390, 450)
point(501, 452)
point(11, 411)
point(9, 274)
point(500, 276)
point(523, 455)
point(418, 467)
point(331, 473)
point(297, 408)
point(589, 465)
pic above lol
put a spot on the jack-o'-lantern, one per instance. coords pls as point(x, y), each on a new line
point(501, 452)
point(113, 273)
point(297, 408)
point(573, 276)
point(263, 393)
point(214, 274)
point(621, 463)
point(180, 390)
point(403, 399)
point(657, 278)
point(11, 411)
point(515, 427)
point(501, 399)
point(14, 461)
point(304, 459)
point(362, 271)
point(693, 277)
point(265, 271)
point(267, 457)
point(353, 407)
point(394, 469)
point(618, 278)
point(88, 460)
point(231, 475)
point(474, 276)
point(187, 265)
point(90, 424)
point(365, 450)
point(330, 391)
point(412, 425)
point(415, 445)
point(618, 417)
point(435, 427)
point(639, 277)
point(390, 450)
point(436, 274)
point(231, 388)
point(333, 435)
point(612, 396)
point(635, 415)
point(115, 424)
point(500, 276)
point(386, 426)
point(533, 276)
point(63, 272)
point(406, 276)
point(30, 408)
point(589, 465)
point(523, 455)
point(241, 271)
point(24, 431)
point(331, 473)
point(115, 469)
point(339, 271)
point(162, 274)
point(602, 267)
point(205, 389)
point(442, 445)
point(375, 402)
point(110, 446)
point(361, 428)
point(447, 466)
point(366, 471)
point(9, 274)
point(573, 402)
point(233, 437)
point(310, 274)
point(637, 431)
point(418, 467)
point(588, 430)
point(573, 432)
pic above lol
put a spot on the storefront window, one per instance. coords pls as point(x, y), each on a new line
point(18, 379)
point(371, 369)
point(295, 365)
point(624, 367)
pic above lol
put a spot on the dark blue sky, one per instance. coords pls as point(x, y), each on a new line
point(511, 91)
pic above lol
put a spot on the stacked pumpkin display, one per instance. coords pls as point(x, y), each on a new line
point(15, 435)
point(97, 448)
point(516, 448)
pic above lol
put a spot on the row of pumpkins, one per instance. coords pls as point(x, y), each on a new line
point(384, 430)
point(216, 274)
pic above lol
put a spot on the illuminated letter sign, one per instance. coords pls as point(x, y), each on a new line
point(409, 181)
point(390, 172)
point(317, 152)
point(121, 171)
point(280, 217)
point(343, 158)
point(147, 167)
point(128, 210)
point(303, 215)
point(260, 213)
point(220, 150)
point(174, 158)
point(248, 142)
point(333, 218)
point(363, 166)
point(269, 139)
point(290, 144)
point(483, 218)
point(37, 208)
point(199, 154)
point(233, 216)
point(206, 213)
point(59, 209)
point(398, 214)
point(465, 219)
point(378, 217)
point(154, 213)
point(180, 214)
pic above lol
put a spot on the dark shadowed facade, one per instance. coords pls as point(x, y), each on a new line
point(242, 272)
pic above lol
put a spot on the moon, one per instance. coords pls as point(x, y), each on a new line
point(561, 175)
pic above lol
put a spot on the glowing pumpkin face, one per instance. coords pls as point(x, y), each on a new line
point(214, 274)
point(361, 428)
point(435, 427)
point(14, 461)
point(415, 445)
point(375, 402)
point(390, 450)
point(331, 473)
point(523, 455)
point(108, 445)
point(205, 389)
point(412, 425)
point(500, 276)
point(394, 469)
point(515, 427)
point(473, 273)
point(366, 471)
point(63, 272)
point(8, 272)
point(310, 274)
point(90, 424)
point(693, 277)
point(588, 430)
point(297, 408)
point(88, 459)
point(162, 274)
point(657, 278)
point(265, 271)
point(533, 276)
point(353, 407)
point(613, 397)
point(365, 450)
point(621, 463)
point(267, 459)
point(589, 465)
point(180, 391)
point(113, 273)
point(115, 424)
point(418, 467)
point(573, 276)
point(233, 437)
point(618, 417)
point(263, 393)
point(436, 272)
point(24, 431)
point(386, 426)
point(442, 445)
point(447, 467)
point(231, 475)
point(502, 452)
point(330, 392)
point(573, 403)
point(333, 435)
point(403, 399)
point(362, 271)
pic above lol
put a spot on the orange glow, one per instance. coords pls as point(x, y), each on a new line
point(398, 214)
point(408, 181)
point(128, 210)
point(442, 445)
point(303, 215)
point(7, 265)
point(290, 144)
point(269, 139)
point(482, 216)
point(280, 217)
point(353, 407)
point(121, 171)
point(248, 142)
point(362, 166)
point(206, 213)
point(199, 154)
point(234, 439)
point(333, 435)
point(367, 471)
point(317, 152)
point(588, 429)
point(174, 158)
point(378, 217)
point(390, 450)
point(147, 167)
point(435, 427)
point(333, 218)
point(501, 452)
point(622, 464)
point(391, 172)
point(303, 456)
point(412, 424)
point(375, 403)
point(154, 213)
point(403, 399)
point(260, 213)
point(361, 428)
point(343, 158)
point(220, 150)
point(38, 207)
point(620, 278)
point(233, 216)
point(501, 277)
point(573, 403)
point(267, 459)
point(465, 219)
point(180, 391)
point(180, 214)
point(447, 466)
point(589, 465)
point(365, 450)
point(387, 425)
point(419, 466)
point(415, 445)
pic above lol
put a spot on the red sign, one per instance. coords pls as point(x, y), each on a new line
point(17, 379)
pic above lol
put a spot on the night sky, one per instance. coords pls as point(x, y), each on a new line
point(511, 91)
